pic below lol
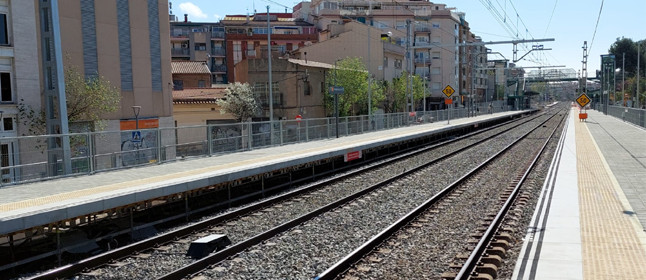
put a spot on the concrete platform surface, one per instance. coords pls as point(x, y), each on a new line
point(585, 226)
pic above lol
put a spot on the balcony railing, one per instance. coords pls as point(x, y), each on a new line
point(219, 68)
point(422, 29)
point(182, 33)
point(217, 34)
point(182, 51)
point(251, 53)
point(218, 52)
point(423, 60)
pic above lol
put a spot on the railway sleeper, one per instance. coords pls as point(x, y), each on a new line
point(497, 251)
point(485, 270)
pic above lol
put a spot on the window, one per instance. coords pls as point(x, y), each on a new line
point(4, 32)
point(5, 87)
point(307, 89)
point(201, 83)
point(200, 46)
point(385, 61)
point(435, 70)
point(398, 63)
point(435, 25)
point(7, 124)
point(4, 161)
point(436, 86)
point(178, 84)
point(435, 55)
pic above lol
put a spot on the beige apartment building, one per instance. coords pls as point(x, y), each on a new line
point(433, 29)
point(125, 42)
point(383, 58)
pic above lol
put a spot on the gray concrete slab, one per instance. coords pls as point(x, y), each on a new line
point(44, 202)
point(623, 145)
point(552, 245)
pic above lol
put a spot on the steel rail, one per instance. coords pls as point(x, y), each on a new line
point(481, 247)
point(345, 263)
point(128, 250)
point(212, 259)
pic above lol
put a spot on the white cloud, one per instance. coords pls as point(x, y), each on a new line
point(192, 10)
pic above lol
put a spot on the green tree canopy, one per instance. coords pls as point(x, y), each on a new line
point(352, 75)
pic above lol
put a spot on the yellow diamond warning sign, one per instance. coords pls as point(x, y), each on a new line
point(583, 100)
point(448, 91)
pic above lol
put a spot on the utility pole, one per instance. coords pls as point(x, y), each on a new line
point(639, 54)
point(369, 81)
point(270, 85)
point(409, 51)
point(584, 69)
point(623, 76)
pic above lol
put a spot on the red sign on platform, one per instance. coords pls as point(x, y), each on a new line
point(352, 156)
point(299, 118)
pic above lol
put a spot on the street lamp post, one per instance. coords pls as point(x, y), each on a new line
point(336, 105)
point(271, 94)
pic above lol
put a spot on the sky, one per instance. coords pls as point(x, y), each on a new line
point(569, 22)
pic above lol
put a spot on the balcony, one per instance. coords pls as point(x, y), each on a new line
point(180, 33)
point(218, 52)
point(221, 68)
point(217, 34)
point(423, 60)
point(422, 29)
point(251, 53)
point(180, 51)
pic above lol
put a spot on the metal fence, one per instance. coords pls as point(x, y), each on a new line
point(632, 115)
point(26, 158)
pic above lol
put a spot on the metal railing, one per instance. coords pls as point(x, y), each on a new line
point(218, 51)
point(218, 68)
point(93, 152)
point(632, 115)
point(182, 51)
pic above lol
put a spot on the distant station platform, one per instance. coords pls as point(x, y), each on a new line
point(38, 204)
point(589, 221)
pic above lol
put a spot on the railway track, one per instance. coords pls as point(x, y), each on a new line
point(429, 242)
point(330, 231)
point(260, 219)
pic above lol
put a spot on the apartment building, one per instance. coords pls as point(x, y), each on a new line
point(246, 36)
point(433, 30)
point(200, 41)
point(298, 86)
point(19, 79)
point(383, 57)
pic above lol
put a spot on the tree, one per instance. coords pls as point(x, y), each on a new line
point(87, 100)
point(239, 101)
point(352, 75)
point(629, 48)
point(397, 95)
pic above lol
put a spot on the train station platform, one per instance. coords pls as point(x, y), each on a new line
point(37, 204)
point(589, 220)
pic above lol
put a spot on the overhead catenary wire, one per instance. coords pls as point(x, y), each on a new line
point(595, 27)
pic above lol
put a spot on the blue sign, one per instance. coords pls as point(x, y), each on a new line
point(136, 136)
point(336, 90)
